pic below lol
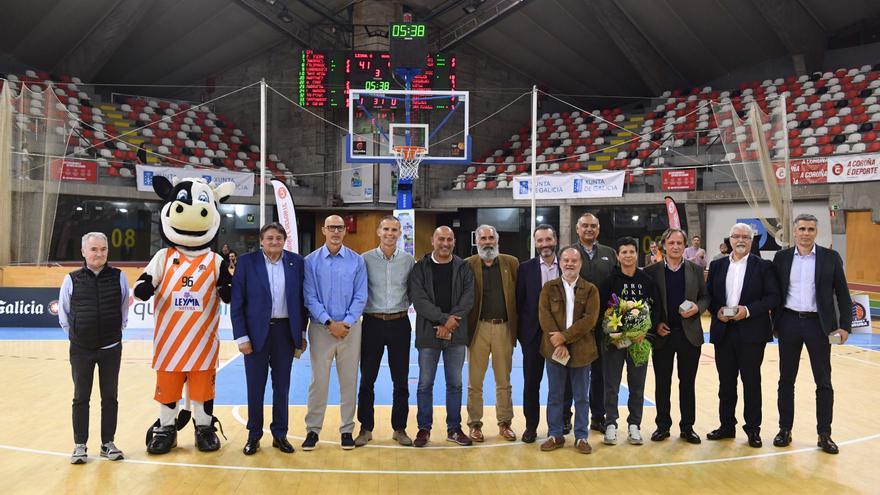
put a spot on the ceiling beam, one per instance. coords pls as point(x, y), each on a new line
point(88, 56)
point(300, 32)
point(485, 16)
point(654, 69)
point(797, 28)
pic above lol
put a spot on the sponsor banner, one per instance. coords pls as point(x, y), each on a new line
point(861, 313)
point(387, 183)
point(38, 308)
point(570, 186)
point(854, 168)
point(286, 215)
point(407, 240)
point(672, 213)
point(814, 171)
point(75, 170)
point(679, 180)
point(28, 307)
point(244, 181)
point(356, 184)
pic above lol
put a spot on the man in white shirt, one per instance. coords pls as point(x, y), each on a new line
point(743, 289)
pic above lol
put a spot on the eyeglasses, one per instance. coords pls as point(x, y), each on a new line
point(335, 228)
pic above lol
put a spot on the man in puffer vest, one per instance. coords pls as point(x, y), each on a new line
point(93, 310)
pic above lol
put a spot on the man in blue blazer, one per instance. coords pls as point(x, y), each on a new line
point(530, 279)
point(743, 289)
point(268, 321)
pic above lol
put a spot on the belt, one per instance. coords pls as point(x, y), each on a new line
point(803, 314)
point(389, 316)
point(278, 321)
point(494, 321)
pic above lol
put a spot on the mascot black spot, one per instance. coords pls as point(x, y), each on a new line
point(188, 281)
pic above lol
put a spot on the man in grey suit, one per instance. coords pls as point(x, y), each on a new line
point(683, 297)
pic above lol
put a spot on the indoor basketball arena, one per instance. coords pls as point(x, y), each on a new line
point(589, 236)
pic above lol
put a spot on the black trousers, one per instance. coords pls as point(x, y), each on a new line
point(533, 373)
point(82, 367)
point(794, 332)
point(676, 344)
point(376, 334)
point(597, 384)
point(736, 358)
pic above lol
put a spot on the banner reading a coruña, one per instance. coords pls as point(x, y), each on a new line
point(570, 186)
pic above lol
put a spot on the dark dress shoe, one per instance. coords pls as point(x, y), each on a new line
point(566, 428)
point(783, 438)
point(755, 440)
point(282, 444)
point(659, 435)
point(251, 447)
point(597, 425)
point(529, 436)
point(827, 444)
point(721, 433)
point(691, 437)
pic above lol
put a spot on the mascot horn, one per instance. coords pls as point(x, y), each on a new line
point(188, 281)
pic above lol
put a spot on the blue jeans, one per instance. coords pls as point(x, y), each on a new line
point(580, 388)
point(453, 363)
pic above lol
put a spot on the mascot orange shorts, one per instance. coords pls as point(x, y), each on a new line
point(169, 385)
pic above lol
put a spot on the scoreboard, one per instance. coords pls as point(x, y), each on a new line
point(326, 77)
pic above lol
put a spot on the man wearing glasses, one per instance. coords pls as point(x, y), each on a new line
point(335, 292)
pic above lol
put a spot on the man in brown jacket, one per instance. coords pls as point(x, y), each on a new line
point(491, 331)
point(568, 311)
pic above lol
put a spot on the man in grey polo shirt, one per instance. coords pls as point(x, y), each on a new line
point(386, 323)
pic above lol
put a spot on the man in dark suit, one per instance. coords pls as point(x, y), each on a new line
point(268, 321)
point(811, 279)
point(743, 289)
point(530, 278)
point(680, 332)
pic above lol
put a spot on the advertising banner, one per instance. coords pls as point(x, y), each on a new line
point(244, 181)
point(570, 186)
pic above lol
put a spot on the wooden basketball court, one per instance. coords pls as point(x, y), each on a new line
point(35, 443)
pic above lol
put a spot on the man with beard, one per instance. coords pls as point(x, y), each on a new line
point(492, 331)
point(569, 309)
point(531, 276)
point(598, 262)
point(743, 289)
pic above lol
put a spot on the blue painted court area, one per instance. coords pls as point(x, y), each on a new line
point(232, 390)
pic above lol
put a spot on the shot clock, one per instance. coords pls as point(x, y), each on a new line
point(408, 46)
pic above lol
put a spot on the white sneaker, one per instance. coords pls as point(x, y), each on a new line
point(109, 451)
point(610, 435)
point(635, 436)
point(79, 454)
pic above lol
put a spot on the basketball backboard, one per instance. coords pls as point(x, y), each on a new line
point(379, 120)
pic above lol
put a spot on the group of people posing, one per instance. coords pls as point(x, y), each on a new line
point(347, 309)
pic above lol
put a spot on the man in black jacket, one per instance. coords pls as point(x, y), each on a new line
point(743, 289)
point(811, 278)
point(441, 288)
point(93, 310)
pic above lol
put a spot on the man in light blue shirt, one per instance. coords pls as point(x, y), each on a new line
point(335, 291)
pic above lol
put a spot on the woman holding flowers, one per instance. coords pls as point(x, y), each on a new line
point(628, 299)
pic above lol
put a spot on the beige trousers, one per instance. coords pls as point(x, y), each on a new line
point(490, 340)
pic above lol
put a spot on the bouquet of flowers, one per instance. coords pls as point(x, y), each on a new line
point(626, 323)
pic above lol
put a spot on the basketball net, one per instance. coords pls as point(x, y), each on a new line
point(408, 159)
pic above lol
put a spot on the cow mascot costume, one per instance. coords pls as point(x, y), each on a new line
point(188, 281)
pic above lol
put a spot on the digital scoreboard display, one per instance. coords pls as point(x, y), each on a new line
point(326, 77)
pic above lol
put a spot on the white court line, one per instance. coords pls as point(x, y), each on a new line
point(228, 361)
point(468, 472)
point(237, 415)
point(872, 363)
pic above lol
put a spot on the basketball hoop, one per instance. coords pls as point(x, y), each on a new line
point(408, 159)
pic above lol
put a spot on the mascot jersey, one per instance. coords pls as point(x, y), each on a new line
point(187, 312)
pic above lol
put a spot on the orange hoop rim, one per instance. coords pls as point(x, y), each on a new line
point(409, 152)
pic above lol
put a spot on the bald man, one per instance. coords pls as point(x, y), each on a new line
point(335, 291)
point(441, 288)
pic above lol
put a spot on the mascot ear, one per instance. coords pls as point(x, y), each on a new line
point(224, 191)
point(162, 186)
